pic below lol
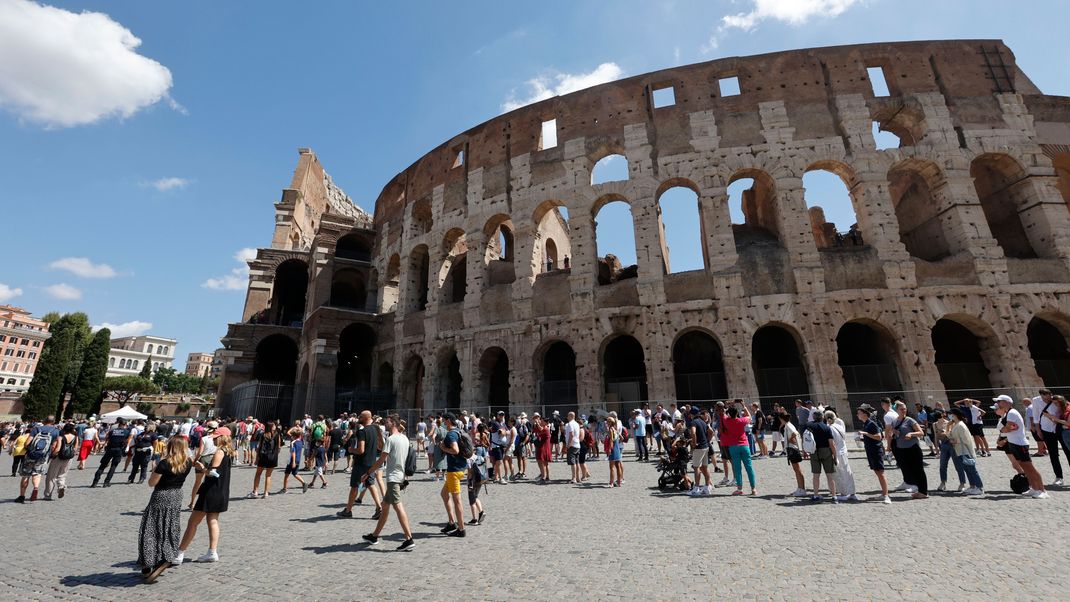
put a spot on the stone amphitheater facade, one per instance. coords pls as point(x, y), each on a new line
point(478, 283)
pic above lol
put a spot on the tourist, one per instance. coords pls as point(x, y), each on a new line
point(90, 441)
point(962, 448)
point(759, 424)
point(1031, 426)
point(1063, 420)
point(699, 434)
point(37, 449)
point(817, 441)
point(907, 433)
point(792, 441)
point(722, 446)
point(293, 466)
point(64, 449)
point(320, 467)
point(269, 442)
point(890, 417)
point(477, 478)
point(871, 435)
point(456, 464)
point(845, 477)
point(921, 415)
point(1017, 446)
point(159, 446)
point(616, 467)
point(161, 528)
point(976, 426)
point(802, 413)
point(638, 434)
point(142, 446)
point(586, 443)
point(498, 437)
point(543, 447)
point(203, 444)
point(364, 447)
point(17, 450)
point(116, 444)
point(438, 435)
point(421, 436)
point(395, 453)
point(507, 449)
point(734, 421)
point(558, 433)
point(213, 499)
point(336, 438)
point(774, 423)
point(1045, 411)
point(572, 445)
point(520, 445)
point(947, 452)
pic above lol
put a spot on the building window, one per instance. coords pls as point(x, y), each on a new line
point(111, 362)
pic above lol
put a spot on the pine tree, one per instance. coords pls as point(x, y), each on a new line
point(78, 322)
point(46, 388)
point(91, 374)
point(146, 370)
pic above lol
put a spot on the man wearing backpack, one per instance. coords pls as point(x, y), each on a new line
point(63, 451)
point(118, 441)
point(456, 463)
point(817, 438)
point(39, 448)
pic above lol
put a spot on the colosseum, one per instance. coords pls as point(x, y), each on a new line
point(478, 283)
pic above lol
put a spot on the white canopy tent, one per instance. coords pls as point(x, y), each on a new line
point(126, 412)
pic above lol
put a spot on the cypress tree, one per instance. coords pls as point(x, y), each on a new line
point(146, 370)
point(90, 381)
point(46, 387)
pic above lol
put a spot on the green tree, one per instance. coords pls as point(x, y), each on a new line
point(166, 379)
point(126, 387)
point(146, 370)
point(86, 394)
point(46, 388)
point(78, 323)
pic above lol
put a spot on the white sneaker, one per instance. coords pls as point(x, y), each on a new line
point(973, 491)
point(840, 498)
point(854, 497)
point(886, 500)
point(1057, 483)
point(800, 493)
point(1030, 492)
point(1039, 495)
point(705, 490)
point(178, 560)
point(694, 491)
point(962, 487)
point(211, 556)
point(911, 489)
point(942, 487)
point(902, 487)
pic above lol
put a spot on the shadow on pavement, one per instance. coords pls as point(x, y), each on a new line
point(124, 579)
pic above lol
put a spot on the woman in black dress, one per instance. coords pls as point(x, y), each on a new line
point(267, 458)
point(161, 526)
point(212, 499)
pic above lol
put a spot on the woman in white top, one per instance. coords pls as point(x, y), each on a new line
point(89, 441)
point(845, 478)
point(791, 447)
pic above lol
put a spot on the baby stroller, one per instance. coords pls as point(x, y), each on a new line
point(673, 469)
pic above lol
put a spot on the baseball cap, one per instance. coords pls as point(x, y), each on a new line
point(556, 413)
point(222, 432)
point(536, 415)
point(1006, 398)
point(695, 411)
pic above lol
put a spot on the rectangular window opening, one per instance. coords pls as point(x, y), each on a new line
point(664, 97)
point(729, 86)
point(876, 79)
point(458, 158)
point(548, 138)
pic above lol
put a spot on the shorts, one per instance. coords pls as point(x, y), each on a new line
point(291, 469)
point(875, 457)
point(497, 453)
point(777, 437)
point(473, 493)
point(318, 470)
point(507, 452)
point(823, 459)
point(1018, 452)
point(393, 494)
point(420, 437)
point(573, 456)
point(977, 430)
point(453, 481)
point(760, 435)
point(30, 467)
point(334, 453)
point(700, 457)
point(357, 474)
point(794, 456)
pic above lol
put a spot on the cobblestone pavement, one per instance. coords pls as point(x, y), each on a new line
point(551, 542)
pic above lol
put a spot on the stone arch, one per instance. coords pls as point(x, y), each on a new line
point(356, 343)
point(623, 367)
point(349, 289)
point(554, 363)
point(967, 352)
point(679, 224)
point(355, 245)
point(412, 382)
point(868, 356)
point(449, 385)
point(817, 180)
point(494, 379)
point(758, 205)
point(550, 219)
point(698, 366)
point(453, 275)
point(999, 181)
point(288, 292)
point(391, 284)
point(418, 278)
point(1047, 335)
point(610, 266)
point(422, 218)
point(912, 183)
point(778, 357)
point(610, 167)
point(276, 359)
point(1061, 163)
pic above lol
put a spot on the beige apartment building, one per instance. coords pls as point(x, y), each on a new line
point(199, 364)
point(21, 338)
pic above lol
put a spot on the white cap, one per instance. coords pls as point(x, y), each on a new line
point(1006, 398)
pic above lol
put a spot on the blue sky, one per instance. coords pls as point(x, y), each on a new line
point(136, 175)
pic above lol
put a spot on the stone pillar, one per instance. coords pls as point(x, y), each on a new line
point(716, 229)
point(589, 386)
point(880, 228)
point(584, 274)
point(1044, 216)
point(793, 223)
point(646, 223)
point(736, 353)
point(965, 227)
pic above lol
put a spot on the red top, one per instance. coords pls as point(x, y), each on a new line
point(733, 430)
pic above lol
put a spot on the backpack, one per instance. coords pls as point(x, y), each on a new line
point(267, 446)
point(410, 462)
point(479, 471)
point(809, 444)
point(317, 431)
point(464, 445)
point(588, 438)
point(624, 434)
point(39, 446)
point(1019, 483)
point(67, 449)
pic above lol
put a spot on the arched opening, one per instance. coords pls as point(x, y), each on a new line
point(348, 289)
point(454, 274)
point(698, 367)
point(999, 183)
point(867, 357)
point(752, 206)
point(419, 266)
point(832, 213)
point(422, 220)
point(276, 360)
point(960, 361)
point(288, 292)
point(494, 379)
point(680, 225)
point(611, 168)
point(355, 344)
point(385, 380)
point(450, 382)
point(778, 364)
point(391, 284)
point(559, 375)
point(551, 224)
point(412, 383)
point(500, 251)
point(623, 372)
point(355, 246)
point(918, 211)
point(1047, 347)
point(614, 233)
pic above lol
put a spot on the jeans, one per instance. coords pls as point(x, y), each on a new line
point(141, 462)
point(1052, 441)
point(751, 443)
point(969, 466)
point(947, 452)
point(110, 455)
point(641, 450)
point(740, 454)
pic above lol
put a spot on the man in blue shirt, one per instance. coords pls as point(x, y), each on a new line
point(119, 439)
point(456, 464)
point(38, 449)
point(639, 432)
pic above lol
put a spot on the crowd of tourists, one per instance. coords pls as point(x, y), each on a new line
point(468, 451)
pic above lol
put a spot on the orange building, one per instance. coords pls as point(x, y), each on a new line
point(21, 338)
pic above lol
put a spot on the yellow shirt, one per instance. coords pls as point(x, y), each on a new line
point(20, 444)
point(159, 446)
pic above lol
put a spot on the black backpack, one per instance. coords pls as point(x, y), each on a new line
point(1019, 483)
point(410, 462)
point(67, 449)
point(464, 445)
point(268, 447)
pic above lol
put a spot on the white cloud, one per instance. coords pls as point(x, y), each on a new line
point(238, 278)
point(62, 69)
point(63, 291)
point(7, 293)
point(794, 12)
point(548, 86)
point(82, 266)
point(126, 329)
point(168, 184)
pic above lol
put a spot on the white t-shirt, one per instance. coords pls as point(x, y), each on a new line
point(572, 429)
point(1017, 436)
point(789, 430)
point(975, 414)
point(397, 446)
point(676, 415)
point(1042, 418)
point(185, 429)
point(89, 433)
point(891, 418)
